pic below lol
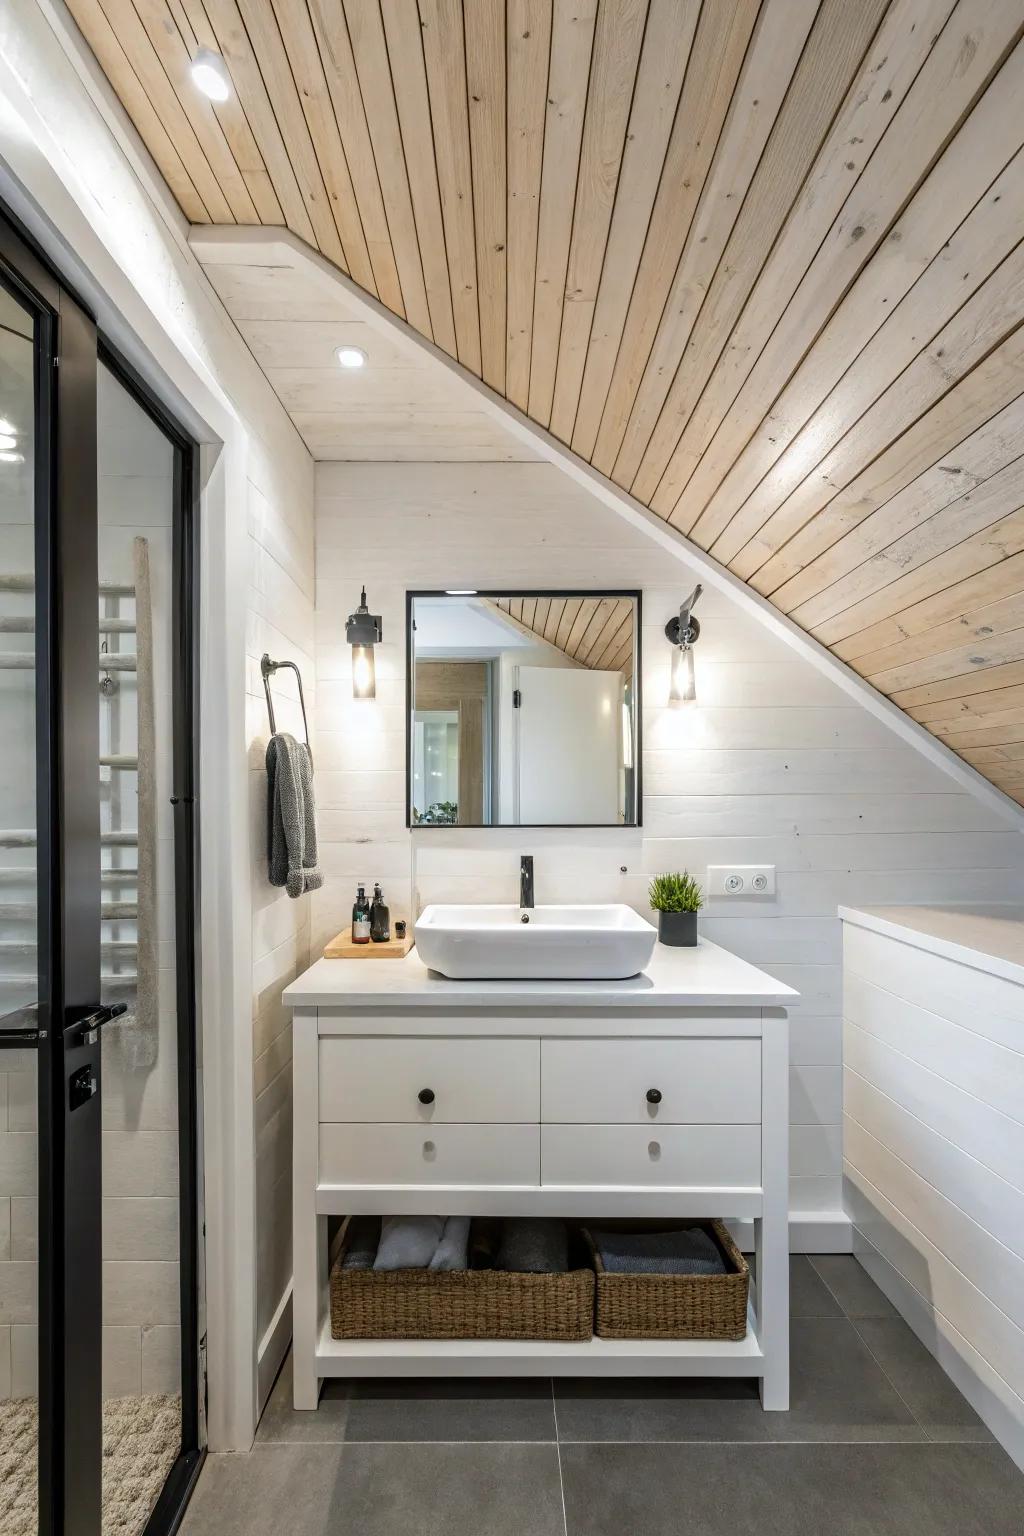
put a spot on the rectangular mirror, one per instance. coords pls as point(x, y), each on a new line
point(523, 709)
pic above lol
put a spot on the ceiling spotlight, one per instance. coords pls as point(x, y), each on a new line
point(351, 357)
point(210, 74)
point(8, 442)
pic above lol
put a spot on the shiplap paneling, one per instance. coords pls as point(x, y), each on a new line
point(774, 763)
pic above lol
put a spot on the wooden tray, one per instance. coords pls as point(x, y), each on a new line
point(341, 947)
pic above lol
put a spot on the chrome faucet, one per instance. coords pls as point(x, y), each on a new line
point(526, 881)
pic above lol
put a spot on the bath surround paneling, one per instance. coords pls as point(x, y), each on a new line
point(774, 764)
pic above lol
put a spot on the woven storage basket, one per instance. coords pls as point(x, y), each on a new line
point(674, 1306)
point(460, 1304)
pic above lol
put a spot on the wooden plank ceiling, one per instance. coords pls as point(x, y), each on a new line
point(595, 631)
point(759, 263)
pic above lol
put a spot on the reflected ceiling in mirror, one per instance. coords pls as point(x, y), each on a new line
point(523, 709)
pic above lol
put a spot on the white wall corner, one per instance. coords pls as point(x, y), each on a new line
point(251, 246)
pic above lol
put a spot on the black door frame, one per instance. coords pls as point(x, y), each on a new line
point(68, 352)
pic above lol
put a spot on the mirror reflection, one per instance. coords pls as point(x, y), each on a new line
point(523, 709)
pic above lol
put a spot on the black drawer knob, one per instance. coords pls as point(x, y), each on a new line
point(426, 1095)
point(654, 1095)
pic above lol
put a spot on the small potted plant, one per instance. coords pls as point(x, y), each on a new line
point(677, 899)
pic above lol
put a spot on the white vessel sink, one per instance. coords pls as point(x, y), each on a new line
point(501, 943)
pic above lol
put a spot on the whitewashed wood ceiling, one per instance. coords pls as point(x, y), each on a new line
point(759, 263)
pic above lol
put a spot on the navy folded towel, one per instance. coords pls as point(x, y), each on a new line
point(534, 1245)
point(687, 1251)
point(361, 1240)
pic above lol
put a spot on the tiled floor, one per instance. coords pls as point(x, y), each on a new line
point(877, 1442)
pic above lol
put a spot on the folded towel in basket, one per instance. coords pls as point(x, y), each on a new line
point(687, 1251)
point(534, 1245)
point(361, 1239)
point(484, 1241)
point(408, 1242)
point(452, 1251)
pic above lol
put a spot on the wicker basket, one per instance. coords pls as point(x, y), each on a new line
point(674, 1306)
point(460, 1304)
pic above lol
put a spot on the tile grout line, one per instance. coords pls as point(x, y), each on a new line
point(558, 1452)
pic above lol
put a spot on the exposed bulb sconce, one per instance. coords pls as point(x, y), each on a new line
point(683, 632)
point(363, 631)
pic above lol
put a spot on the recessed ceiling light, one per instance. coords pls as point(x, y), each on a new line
point(351, 357)
point(210, 74)
point(8, 441)
point(460, 592)
point(12, 458)
point(7, 426)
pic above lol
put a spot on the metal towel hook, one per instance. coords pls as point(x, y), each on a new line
point(268, 668)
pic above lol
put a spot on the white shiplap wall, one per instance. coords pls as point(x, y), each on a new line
point(775, 764)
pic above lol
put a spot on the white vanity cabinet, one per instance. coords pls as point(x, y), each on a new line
point(664, 1096)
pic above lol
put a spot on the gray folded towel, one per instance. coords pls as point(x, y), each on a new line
point(362, 1239)
point(687, 1251)
point(408, 1242)
point(534, 1245)
point(291, 817)
point(452, 1252)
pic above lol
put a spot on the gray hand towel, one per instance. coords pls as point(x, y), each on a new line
point(362, 1239)
point(452, 1252)
point(688, 1251)
point(534, 1245)
point(291, 817)
point(408, 1242)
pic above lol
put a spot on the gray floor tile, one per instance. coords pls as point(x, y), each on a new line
point(920, 1380)
point(837, 1390)
point(852, 1286)
point(647, 1410)
point(742, 1490)
point(433, 1409)
point(809, 1296)
point(380, 1490)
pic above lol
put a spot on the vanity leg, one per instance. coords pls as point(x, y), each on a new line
point(771, 1231)
point(309, 1231)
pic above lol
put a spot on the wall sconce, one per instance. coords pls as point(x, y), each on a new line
point(363, 631)
point(683, 633)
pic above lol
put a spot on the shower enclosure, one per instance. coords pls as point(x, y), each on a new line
point(101, 1389)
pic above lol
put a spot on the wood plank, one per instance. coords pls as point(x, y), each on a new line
point(309, 83)
point(618, 38)
point(363, 29)
point(445, 57)
point(233, 43)
point(716, 59)
point(976, 707)
point(485, 83)
point(781, 550)
point(980, 654)
point(821, 399)
point(835, 48)
point(529, 50)
point(103, 41)
point(407, 73)
point(125, 24)
point(994, 619)
point(194, 26)
point(962, 685)
point(572, 36)
point(979, 327)
point(338, 64)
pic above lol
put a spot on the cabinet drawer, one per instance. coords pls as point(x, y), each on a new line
point(694, 1081)
point(471, 1081)
point(723, 1156)
point(442, 1154)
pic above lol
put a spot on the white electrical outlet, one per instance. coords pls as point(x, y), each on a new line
point(741, 879)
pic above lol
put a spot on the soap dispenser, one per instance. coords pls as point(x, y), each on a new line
point(361, 918)
point(380, 917)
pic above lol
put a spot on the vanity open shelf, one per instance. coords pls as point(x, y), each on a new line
point(661, 1097)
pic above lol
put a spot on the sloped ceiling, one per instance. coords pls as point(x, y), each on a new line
point(760, 264)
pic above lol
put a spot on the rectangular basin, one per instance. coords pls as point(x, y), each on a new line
point(505, 943)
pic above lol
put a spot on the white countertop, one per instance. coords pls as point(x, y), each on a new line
point(988, 938)
point(704, 977)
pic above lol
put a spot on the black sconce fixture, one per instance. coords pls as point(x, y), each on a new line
point(363, 631)
point(683, 633)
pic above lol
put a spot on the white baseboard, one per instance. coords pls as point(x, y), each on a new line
point(992, 1398)
point(810, 1232)
point(272, 1349)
